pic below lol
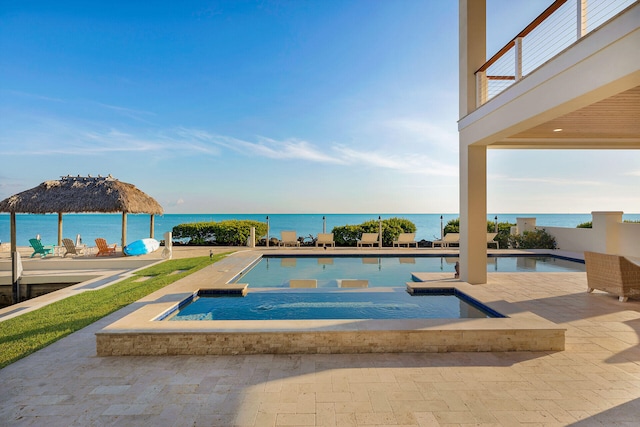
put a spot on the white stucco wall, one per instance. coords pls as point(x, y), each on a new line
point(614, 237)
point(629, 239)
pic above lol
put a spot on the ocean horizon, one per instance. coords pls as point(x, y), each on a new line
point(109, 226)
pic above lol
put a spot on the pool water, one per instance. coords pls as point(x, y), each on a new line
point(339, 304)
point(276, 272)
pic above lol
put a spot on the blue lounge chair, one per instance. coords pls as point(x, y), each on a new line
point(39, 248)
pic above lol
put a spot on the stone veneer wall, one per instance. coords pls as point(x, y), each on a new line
point(424, 341)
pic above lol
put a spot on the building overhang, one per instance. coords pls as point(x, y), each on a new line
point(587, 97)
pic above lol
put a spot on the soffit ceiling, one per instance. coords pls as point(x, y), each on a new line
point(611, 123)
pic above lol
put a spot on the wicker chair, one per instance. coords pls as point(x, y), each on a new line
point(612, 273)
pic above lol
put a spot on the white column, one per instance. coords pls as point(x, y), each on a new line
point(473, 214)
point(473, 159)
point(472, 51)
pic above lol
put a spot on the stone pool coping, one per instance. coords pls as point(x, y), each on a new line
point(139, 334)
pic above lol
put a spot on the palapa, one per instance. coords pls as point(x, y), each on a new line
point(82, 194)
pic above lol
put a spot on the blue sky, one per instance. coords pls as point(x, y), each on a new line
point(270, 106)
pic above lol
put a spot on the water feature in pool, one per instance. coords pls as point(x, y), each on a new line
point(276, 272)
point(389, 303)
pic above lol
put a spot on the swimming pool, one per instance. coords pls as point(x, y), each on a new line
point(381, 271)
point(392, 303)
point(140, 332)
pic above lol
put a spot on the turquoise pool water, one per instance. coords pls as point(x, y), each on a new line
point(276, 272)
point(336, 304)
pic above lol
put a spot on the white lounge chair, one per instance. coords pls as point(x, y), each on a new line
point(303, 283)
point(367, 239)
point(449, 238)
point(405, 239)
point(490, 241)
point(353, 283)
point(325, 239)
point(289, 238)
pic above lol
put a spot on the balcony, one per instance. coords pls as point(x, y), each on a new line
point(557, 28)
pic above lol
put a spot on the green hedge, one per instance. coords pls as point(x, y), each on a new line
point(537, 239)
point(229, 233)
point(348, 235)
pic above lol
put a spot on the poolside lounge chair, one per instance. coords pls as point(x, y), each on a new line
point(490, 241)
point(39, 248)
point(71, 248)
point(104, 248)
point(367, 239)
point(303, 283)
point(449, 238)
point(289, 238)
point(353, 283)
point(405, 239)
point(325, 239)
point(612, 273)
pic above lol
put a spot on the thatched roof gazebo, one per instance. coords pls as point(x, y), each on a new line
point(81, 194)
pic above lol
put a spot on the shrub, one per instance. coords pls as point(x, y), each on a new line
point(453, 226)
point(348, 235)
point(504, 230)
point(537, 239)
point(587, 224)
point(231, 232)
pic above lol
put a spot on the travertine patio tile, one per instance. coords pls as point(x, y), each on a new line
point(133, 409)
point(346, 420)
point(295, 420)
point(333, 397)
point(455, 417)
point(265, 419)
point(306, 403)
point(278, 408)
point(348, 407)
point(379, 401)
point(376, 418)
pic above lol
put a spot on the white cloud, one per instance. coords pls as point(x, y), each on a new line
point(556, 181)
point(424, 131)
point(408, 162)
point(58, 137)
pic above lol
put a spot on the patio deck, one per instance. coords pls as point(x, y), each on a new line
point(594, 381)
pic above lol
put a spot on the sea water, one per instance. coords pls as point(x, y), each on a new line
point(109, 226)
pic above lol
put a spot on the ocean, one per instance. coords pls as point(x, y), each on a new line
point(109, 226)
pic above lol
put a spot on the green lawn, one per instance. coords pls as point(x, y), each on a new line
point(27, 333)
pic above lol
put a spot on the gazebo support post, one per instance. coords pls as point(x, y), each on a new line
point(13, 232)
point(15, 285)
point(59, 228)
point(151, 226)
point(124, 229)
